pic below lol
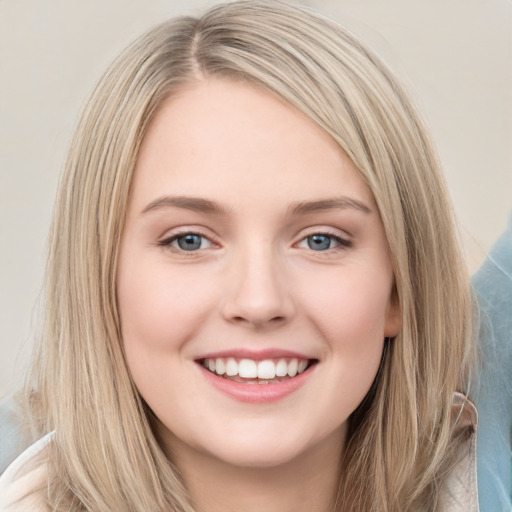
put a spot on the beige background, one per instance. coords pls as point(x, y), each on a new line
point(456, 56)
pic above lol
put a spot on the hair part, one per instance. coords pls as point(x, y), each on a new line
point(105, 455)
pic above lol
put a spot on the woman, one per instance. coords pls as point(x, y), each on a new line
point(254, 294)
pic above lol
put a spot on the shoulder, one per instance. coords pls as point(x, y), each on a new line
point(459, 493)
point(23, 478)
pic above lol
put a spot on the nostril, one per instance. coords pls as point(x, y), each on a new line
point(257, 321)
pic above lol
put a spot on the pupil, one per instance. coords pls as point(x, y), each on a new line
point(189, 242)
point(319, 242)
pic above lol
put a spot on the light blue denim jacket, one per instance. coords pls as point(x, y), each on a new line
point(493, 389)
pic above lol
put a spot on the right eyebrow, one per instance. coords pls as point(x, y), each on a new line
point(196, 204)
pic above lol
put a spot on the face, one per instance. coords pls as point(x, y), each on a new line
point(254, 280)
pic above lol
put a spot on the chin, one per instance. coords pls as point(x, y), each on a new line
point(255, 456)
point(266, 448)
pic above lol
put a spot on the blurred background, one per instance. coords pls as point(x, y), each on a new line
point(454, 55)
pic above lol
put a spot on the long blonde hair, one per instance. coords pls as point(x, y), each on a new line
point(401, 443)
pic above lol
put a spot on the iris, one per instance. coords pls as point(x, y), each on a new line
point(319, 242)
point(189, 242)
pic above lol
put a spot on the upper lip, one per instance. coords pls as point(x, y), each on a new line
point(255, 355)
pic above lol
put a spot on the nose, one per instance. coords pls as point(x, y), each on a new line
point(257, 292)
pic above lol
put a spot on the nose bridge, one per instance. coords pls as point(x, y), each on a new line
point(258, 293)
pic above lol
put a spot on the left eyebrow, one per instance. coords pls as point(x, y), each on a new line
point(334, 203)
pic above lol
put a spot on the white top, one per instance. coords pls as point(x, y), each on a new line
point(22, 478)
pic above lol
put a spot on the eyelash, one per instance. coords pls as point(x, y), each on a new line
point(168, 242)
point(343, 243)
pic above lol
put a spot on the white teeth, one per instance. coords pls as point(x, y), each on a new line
point(281, 368)
point(293, 366)
point(265, 370)
point(231, 367)
point(247, 369)
point(220, 367)
point(302, 366)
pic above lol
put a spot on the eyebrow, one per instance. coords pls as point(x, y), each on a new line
point(196, 204)
point(334, 203)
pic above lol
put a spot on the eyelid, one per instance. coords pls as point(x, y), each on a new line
point(340, 241)
point(173, 235)
point(343, 240)
point(334, 232)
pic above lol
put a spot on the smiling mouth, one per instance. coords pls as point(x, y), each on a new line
point(248, 371)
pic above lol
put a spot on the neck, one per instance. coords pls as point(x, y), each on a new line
point(307, 482)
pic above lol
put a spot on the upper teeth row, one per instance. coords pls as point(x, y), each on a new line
point(249, 369)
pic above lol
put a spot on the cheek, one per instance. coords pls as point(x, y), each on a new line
point(159, 309)
point(159, 314)
point(350, 306)
point(349, 309)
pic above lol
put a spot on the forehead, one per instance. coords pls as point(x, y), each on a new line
point(220, 136)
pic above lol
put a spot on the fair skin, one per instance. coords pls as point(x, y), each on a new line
point(250, 236)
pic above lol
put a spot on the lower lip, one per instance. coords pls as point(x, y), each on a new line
point(257, 393)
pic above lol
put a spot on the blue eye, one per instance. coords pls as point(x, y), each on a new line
point(323, 242)
point(319, 242)
point(188, 242)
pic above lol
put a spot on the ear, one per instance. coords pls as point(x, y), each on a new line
point(393, 323)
